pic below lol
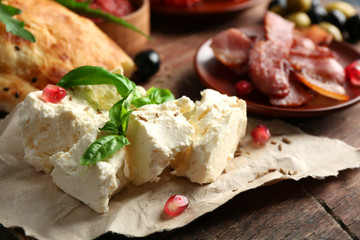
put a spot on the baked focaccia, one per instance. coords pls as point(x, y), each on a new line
point(64, 41)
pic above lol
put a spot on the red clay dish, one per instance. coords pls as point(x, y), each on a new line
point(214, 75)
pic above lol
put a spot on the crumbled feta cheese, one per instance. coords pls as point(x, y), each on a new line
point(48, 128)
point(94, 184)
point(156, 134)
point(56, 136)
point(219, 122)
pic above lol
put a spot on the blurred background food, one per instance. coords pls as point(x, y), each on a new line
point(138, 15)
point(337, 17)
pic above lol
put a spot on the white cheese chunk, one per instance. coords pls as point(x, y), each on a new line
point(94, 184)
point(220, 123)
point(48, 128)
point(55, 136)
point(156, 133)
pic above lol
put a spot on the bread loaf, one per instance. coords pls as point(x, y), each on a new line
point(64, 41)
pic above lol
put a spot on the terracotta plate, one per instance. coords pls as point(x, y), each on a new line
point(214, 75)
point(207, 7)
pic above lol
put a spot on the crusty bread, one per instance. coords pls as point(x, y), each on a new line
point(64, 41)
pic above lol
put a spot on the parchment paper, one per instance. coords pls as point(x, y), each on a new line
point(31, 200)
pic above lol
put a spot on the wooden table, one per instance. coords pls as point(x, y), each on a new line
point(308, 209)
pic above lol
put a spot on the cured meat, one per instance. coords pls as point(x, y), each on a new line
point(287, 60)
point(278, 30)
point(318, 68)
point(323, 75)
point(269, 68)
point(317, 34)
point(268, 64)
point(325, 69)
point(330, 89)
point(297, 95)
point(231, 49)
point(303, 46)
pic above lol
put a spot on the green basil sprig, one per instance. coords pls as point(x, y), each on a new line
point(12, 25)
point(106, 146)
point(84, 8)
point(119, 113)
point(154, 96)
point(119, 116)
point(103, 148)
point(89, 75)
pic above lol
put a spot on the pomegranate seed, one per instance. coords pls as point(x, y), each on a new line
point(176, 204)
point(352, 72)
point(243, 87)
point(53, 93)
point(260, 134)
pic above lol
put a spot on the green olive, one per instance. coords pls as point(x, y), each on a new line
point(299, 5)
point(333, 30)
point(278, 10)
point(346, 8)
point(300, 19)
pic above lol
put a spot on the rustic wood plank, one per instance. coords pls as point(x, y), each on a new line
point(341, 195)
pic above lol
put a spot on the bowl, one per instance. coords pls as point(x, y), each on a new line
point(129, 40)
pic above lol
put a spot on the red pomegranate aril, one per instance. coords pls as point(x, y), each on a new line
point(261, 134)
point(176, 204)
point(53, 93)
point(352, 72)
point(244, 87)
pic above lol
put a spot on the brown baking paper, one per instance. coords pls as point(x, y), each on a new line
point(31, 200)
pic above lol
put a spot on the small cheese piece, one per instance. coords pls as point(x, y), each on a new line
point(156, 133)
point(220, 123)
point(48, 128)
point(94, 184)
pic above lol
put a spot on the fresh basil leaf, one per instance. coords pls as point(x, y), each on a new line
point(141, 101)
point(154, 96)
point(103, 148)
point(12, 25)
point(90, 75)
point(119, 116)
point(159, 95)
point(118, 110)
point(83, 8)
point(115, 112)
point(110, 127)
point(125, 122)
point(127, 101)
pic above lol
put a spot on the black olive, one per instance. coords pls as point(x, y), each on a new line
point(315, 3)
point(336, 18)
point(148, 63)
point(317, 13)
point(353, 27)
point(281, 3)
